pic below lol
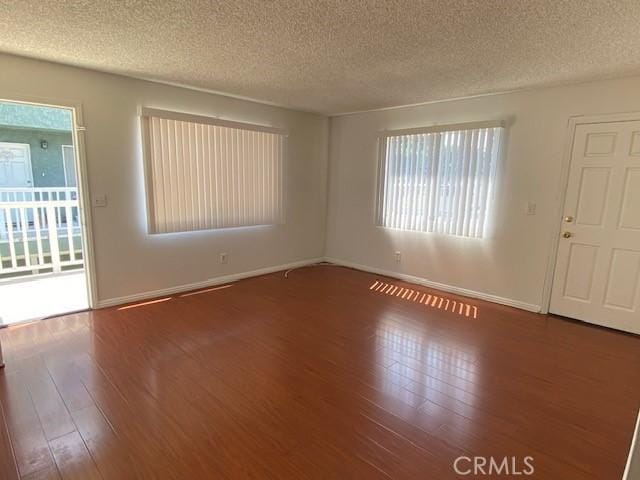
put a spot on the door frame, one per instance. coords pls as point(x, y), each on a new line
point(82, 179)
point(572, 124)
point(28, 158)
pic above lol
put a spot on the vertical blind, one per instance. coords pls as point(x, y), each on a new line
point(205, 173)
point(439, 181)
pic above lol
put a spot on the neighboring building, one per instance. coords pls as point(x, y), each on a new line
point(36, 147)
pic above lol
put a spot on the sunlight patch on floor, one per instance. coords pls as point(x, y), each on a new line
point(429, 300)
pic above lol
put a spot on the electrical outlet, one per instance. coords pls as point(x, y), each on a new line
point(531, 208)
point(100, 201)
point(398, 257)
point(224, 258)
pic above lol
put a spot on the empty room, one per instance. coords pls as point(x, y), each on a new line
point(320, 239)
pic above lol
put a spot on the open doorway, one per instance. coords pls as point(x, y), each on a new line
point(42, 244)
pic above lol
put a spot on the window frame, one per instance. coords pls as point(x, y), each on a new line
point(145, 113)
point(383, 137)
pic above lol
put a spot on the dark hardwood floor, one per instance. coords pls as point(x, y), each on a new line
point(325, 374)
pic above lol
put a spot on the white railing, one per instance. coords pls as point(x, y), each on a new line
point(37, 194)
point(39, 230)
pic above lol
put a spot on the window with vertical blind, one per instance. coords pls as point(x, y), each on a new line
point(204, 173)
point(439, 179)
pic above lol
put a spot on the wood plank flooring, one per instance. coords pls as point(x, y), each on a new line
point(324, 374)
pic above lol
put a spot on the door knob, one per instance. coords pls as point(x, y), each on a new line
point(567, 234)
point(568, 219)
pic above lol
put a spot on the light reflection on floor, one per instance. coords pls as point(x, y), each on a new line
point(143, 304)
point(426, 299)
point(420, 367)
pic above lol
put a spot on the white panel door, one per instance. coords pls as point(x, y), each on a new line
point(597, 276)
point(15, 165)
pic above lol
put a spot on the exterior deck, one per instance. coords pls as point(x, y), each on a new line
point(36, 297)
point(41, 255)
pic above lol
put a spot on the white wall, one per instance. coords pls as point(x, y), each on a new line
point(511, 263)
point(128, 260)
point(632, 471)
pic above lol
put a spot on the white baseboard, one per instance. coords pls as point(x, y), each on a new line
point(632, 471)
point(438, 286)
point(110, 302)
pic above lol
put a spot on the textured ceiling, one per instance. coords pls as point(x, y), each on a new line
point(334, 56)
